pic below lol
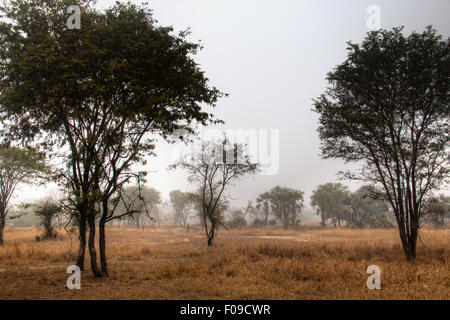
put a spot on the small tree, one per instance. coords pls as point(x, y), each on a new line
point(215, 167)
point(388, 108)
point(47, 211)
point(17, 165)
point(182, 204)
point(239, 217)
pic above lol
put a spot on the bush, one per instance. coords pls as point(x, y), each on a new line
point(238, 222)
point(258, 222)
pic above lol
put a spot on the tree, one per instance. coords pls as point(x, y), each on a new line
point(388, 108)
point(97, 96)
point(182, 204)
point(17, 165)
point(365, 210)
point(249, 209)
point(330, 200)
point(197, 199)
point(213, 168)
point(286, 205)
point(262, 206)
point(238, 217)
point(47, 211)
point(437, 209)
point(138, 202)
point(237, 220)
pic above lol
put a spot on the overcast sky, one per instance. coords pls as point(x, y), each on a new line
point(272, 58)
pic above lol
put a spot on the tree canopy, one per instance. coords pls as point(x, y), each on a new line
point(387, 107)
point(97, 95)
point(286, 204)
point(17, 165)
point(182, 204)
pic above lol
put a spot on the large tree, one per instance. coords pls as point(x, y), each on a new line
point(213, 168)
point(96, 95)
point(331, 201)
point(17, 165)
point(387, 108)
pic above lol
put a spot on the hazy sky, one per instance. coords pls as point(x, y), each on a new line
point(272, 58)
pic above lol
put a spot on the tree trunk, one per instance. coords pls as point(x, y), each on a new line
point(322, 217)
point(211, 236)
point(102, 246)
point(185, 216)
point(211, 232)
point(2, 228)
point(91, 245)
point(82, 242)
point(3, 214)
point(408, 239)
point(138, 224)
point(102, 237)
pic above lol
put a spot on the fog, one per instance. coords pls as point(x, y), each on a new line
point(272, 58)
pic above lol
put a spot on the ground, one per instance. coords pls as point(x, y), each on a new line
point(268, 263)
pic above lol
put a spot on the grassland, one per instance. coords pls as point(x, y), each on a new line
point(269, 263)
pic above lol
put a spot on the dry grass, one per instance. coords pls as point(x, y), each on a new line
point(308, 263)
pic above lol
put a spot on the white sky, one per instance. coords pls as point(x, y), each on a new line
point(272, 57)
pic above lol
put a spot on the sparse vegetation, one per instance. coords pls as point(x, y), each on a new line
point(84, 109)
point(213, 168)
point(265, 263)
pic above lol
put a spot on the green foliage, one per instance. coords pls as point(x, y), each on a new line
point(100, 90)
point(388, 108)
point(17, 165)
point(119, 67)
point(97, 95)
point(26, 163)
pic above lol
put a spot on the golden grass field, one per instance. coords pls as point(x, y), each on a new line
point(268, 263)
